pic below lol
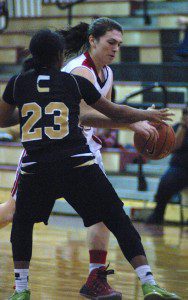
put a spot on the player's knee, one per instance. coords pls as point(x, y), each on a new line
point(98, 236)
point(120, 224)
point(115, 213)
point(99, 228)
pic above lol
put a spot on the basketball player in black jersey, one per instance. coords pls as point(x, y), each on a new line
point(58, 161)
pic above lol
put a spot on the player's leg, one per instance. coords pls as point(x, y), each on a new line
point(34, 203)
point(130, 243)
point(7, 210)
point(98, 234)
point(96, 286)
point(97, 241)
point(101, 203)
point(21, 239)
point(172, 182)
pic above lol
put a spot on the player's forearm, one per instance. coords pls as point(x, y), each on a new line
point(101, 121)
point(127, 115)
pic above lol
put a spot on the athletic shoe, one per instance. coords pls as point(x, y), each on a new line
point(97, 287)
point(154, 292)
point(24, 295)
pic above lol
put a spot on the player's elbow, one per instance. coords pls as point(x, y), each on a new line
point(3, 124)
point(4, 120)
point(83, 120)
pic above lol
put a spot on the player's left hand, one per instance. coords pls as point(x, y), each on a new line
point(145, 129)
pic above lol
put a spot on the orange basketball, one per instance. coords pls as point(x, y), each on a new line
point(156, 150)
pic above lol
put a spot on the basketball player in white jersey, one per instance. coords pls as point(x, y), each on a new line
point(99, 42)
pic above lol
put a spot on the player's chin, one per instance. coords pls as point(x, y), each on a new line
point(110, 59)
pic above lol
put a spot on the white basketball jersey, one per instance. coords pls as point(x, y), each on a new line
point(85, 61)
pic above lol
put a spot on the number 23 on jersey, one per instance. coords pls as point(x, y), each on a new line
point(34, 112)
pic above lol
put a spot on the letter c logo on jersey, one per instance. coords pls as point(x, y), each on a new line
point(42, 89)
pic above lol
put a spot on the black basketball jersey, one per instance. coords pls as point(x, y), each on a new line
point(48, 104)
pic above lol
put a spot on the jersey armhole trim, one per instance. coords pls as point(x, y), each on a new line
point(77, 85)
point(15, 87)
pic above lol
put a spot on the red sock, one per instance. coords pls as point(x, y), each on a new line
point(97, 257)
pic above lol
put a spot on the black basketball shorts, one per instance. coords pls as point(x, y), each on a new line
point(85, 188)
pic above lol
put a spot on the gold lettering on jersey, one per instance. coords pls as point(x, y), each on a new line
point(27, 133)
point(61, 120)
point(42, 89)
point(31, 133)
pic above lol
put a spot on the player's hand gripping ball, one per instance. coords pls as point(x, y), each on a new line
point(159, 149)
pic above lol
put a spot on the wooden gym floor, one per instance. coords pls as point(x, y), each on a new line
point(60, 260)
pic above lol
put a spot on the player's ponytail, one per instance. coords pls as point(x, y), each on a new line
point(77, 37)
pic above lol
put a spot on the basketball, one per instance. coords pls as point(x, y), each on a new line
point(156, 150)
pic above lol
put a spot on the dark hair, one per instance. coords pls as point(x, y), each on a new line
point(44, 47)
point(77, 37)
point(28, 64)
point(185, 111)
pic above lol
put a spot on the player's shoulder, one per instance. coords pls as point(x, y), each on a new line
point(74, 63)
point(64, 75)
point(25, 75)
point(13, 79)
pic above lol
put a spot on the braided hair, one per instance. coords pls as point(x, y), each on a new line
point(44, 48)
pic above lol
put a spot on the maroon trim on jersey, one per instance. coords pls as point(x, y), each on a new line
point(96, 139)
point(16, 181)
point(15, 185)
point(88, 62)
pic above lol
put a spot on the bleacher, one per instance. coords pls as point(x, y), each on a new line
point(146, 57)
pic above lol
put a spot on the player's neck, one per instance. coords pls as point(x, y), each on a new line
point(97, 62)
